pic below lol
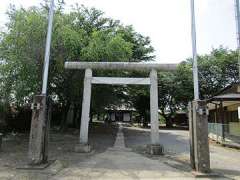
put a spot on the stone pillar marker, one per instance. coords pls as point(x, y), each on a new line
point(155, 147)
point(83, 145)
point(38, 142)
point(200, 160)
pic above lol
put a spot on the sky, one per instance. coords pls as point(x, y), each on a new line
point(166, 22)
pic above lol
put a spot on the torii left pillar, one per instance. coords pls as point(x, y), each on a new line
point(83, 145)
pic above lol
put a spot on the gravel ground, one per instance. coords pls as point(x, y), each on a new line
point(104, 163)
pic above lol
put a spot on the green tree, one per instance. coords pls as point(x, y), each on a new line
point(83, 34)
point(216, 71)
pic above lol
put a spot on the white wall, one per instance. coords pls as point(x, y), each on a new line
point(126, 117)
point(112, 117)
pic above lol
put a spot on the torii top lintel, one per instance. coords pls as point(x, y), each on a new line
point(138, 66)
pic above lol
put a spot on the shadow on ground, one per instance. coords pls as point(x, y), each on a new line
point(173, 143)
point(227, 172)
point(61, 145)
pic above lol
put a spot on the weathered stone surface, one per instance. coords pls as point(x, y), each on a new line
point(200, 136)
point(82, 148)
point(120, 66)
point(37, 153)
point(55, 167)
point(154, 149)
point(86, 107)
point(120, 81)
point(191, 140)
point(154, 108)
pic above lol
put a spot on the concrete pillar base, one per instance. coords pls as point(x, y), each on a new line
point(155, 149)
point(82, 148)
point(38, 141)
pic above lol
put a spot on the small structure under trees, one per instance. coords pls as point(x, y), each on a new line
point(121, 114)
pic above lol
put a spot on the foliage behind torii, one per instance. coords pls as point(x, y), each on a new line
point(83, 34)
point(217, 70)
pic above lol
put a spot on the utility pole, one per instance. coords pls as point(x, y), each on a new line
point(38, 141)
point(47, 49)
point(194, 52)
point(198, 115)
point(237, 10)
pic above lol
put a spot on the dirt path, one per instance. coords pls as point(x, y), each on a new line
point(118, 154)
point(120, 162)
point(225, 161)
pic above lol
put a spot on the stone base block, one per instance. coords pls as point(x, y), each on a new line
point(82, 148)
point(208, 174)
point(39, 166)
point(155, 149)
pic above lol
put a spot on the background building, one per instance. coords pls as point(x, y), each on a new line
point(224, 124)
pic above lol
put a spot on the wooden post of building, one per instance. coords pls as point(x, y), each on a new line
point(216, 122)
point(216, 114)
point(222, 120)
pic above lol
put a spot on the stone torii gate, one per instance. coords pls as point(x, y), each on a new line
point(154, 147)
point(198, 130)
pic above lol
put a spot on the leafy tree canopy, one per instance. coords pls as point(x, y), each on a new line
point(216, 71)
point(83, 34)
